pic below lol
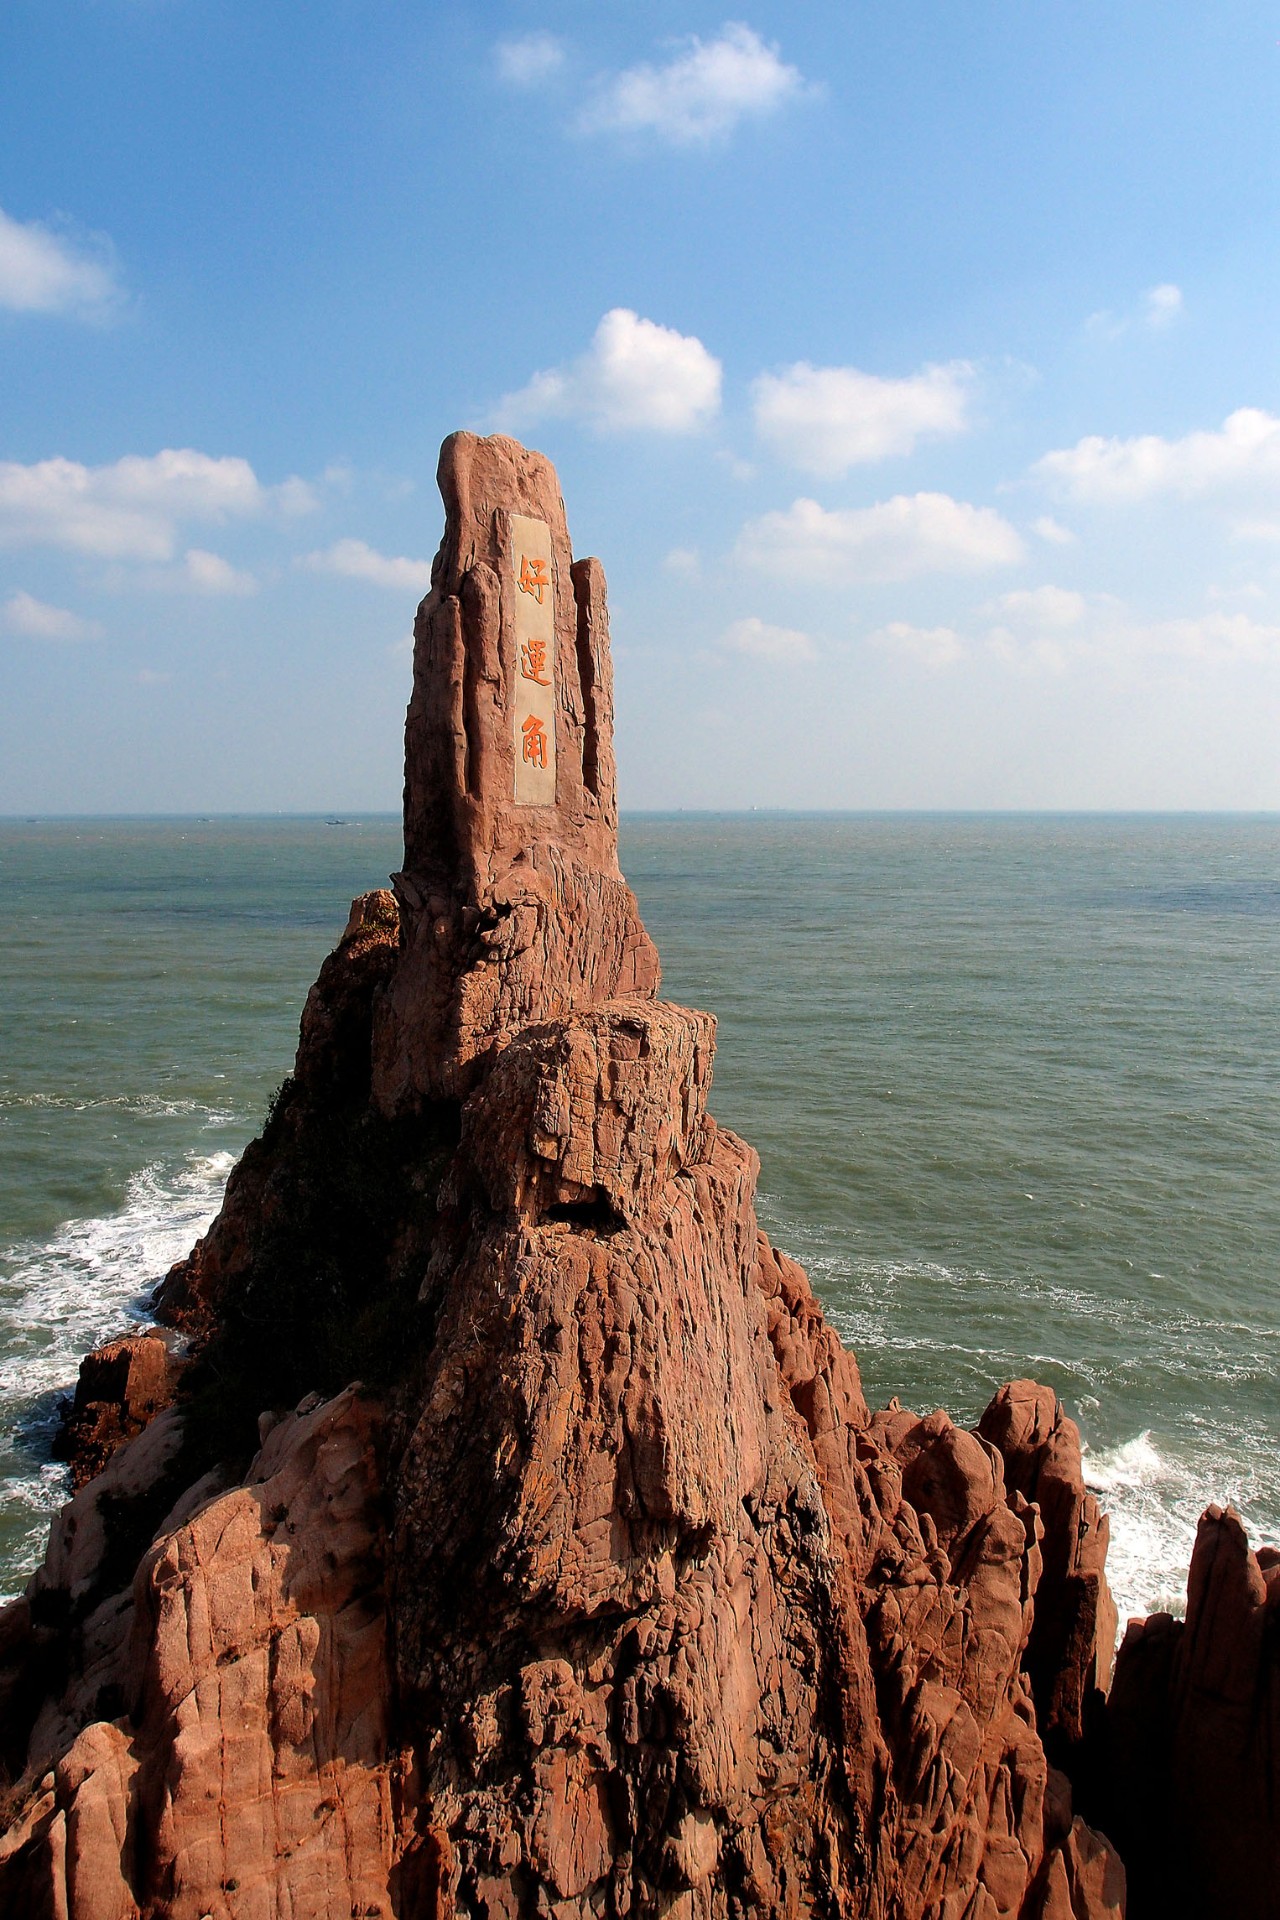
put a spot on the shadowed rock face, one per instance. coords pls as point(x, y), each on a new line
point(1194, 1781)
point(605, 1594)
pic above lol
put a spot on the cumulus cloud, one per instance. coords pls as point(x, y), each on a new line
point(130, 510)
point(893, 540)
point(198, 571)
point(528, 59)
point(1054, 630)
point(828, 419)
point(1160, 307)
point(1049, 529)
point(1050, 627)
point(754, 639)
point(45, 272)
point(635, 373)
point(1055, 607)
point(701, 94)
point(931, 646)
point(35, 619)
point(356, 560)
point(1244, 450)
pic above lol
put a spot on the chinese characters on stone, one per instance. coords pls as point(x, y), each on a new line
point(533, 577)
point(533, 661)
point(532, 667)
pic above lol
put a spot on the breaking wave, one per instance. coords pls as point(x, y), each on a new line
point(58, 1298)
point(938, 1335)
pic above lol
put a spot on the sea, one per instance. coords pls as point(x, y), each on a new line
point(1014, 1081)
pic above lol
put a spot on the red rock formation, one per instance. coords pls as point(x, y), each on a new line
point(1195, 1736)
point(1073, 1637)
point(513, 913)
point(608, 1595)
point(122, 1386)
point(246, 1770)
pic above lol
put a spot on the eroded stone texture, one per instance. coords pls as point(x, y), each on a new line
point(513, 914)
point(1195, 1733)
point(1073, 1638)
point(659, 1584)
point(122, 1386)
point(247, 1772)
point(616, 1599)
point(603, 1108)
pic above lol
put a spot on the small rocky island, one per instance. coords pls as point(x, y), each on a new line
point(492, 1525)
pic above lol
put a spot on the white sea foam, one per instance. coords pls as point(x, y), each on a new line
point(1154, 1503)
point(58, 1298)
point(1155, 1492)
point(914, 1326)
point(152, 1106)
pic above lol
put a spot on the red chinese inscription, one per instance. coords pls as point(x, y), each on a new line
point(533, 661)
point(533, 577)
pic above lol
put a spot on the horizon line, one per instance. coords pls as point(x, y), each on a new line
point(354, 816)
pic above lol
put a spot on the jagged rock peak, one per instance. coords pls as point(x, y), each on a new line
point(512, 904)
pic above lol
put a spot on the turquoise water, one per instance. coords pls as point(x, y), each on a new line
point(1015, 1084)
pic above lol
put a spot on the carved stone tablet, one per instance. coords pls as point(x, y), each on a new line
point(534, 705)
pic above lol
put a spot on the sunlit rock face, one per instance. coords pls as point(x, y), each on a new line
point(512, 903)
point(519, 1541)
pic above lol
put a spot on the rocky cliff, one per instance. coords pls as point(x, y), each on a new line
point(496, 1527)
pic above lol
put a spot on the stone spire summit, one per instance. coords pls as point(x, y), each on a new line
point(512, 905)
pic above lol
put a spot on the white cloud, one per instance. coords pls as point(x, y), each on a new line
point(198, 571)
point(755, 640)
point(1161, 306)
point(356, 560)
point(1050, 627)
point(44, 272)
point(701, 94)
point(35, 619)
point(1049, 529)
point(828, 419)
point(1244, 450)
point(203, 572)
point(635, 373)
point(130, 510)
point(931, 646)
point(1055, 607)
point(684, 561)
point(894, 540)
point(530, 58)
point(1054, 630)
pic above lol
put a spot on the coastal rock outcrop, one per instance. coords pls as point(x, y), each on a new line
point(122, 1387)
point(519, 1541)
point(1194, 1726)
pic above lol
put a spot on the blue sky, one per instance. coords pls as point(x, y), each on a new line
point(914, 371)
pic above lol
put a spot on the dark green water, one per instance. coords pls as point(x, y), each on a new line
point(1015, 1083)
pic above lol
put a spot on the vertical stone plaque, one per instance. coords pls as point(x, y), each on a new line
point(535, 663)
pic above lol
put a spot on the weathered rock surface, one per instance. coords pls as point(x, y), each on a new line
point(122, 1387)
point(247, 1769)
point(1195, 1736)
point(512, 914)
point(1073, 1637)
point(608, 1594)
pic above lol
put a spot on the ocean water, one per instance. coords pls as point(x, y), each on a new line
point(1014, 1081)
